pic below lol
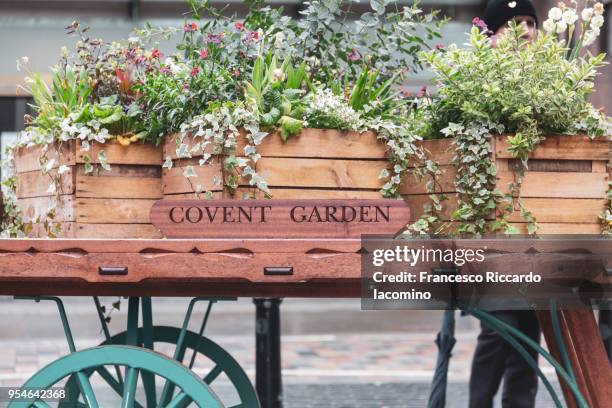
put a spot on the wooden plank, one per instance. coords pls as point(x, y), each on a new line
point(66, 230)
point(118, 187)
point(159, 246)
point(444, 184)
point(599, 166)
point(102, 231)
point(440, 150)
point(174, 182)
point(554, 210)
point(121, 170)
point(279, 218)
point(113, 211)
point(36, 184)
point(561, 147)
point(294, 193)
point(28, 158)
point(561, 228)
point(321, 173)
point(589, 356)
point(33, 208)
point(558, 185)
point(576, 166)
point(416, 203)
point(309, 143)
point(321, 143)
point(135, 153)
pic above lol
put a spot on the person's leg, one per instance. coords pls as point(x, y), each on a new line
point(489, 363)
point(520, 380)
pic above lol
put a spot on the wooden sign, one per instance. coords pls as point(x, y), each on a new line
point(278, 218)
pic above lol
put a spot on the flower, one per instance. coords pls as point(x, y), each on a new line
point(597, 21)
point(195, 71)
point(479, 23)
point(570, 16)
point(236, 72)
point(157, 54)
point(204, 54)
point(587, 14)
point(555, 14)
point(598, 9)
point(214, 38)
point(422, 92)
point(549, 26)
point(561, 27)
point(589, 38)
point(278, 75)
point(252, 36)
point(238, 25)
point(165, 70)
point(190, 27)
point(353, 55)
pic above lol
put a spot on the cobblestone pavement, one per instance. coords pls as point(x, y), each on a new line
point(356, 366)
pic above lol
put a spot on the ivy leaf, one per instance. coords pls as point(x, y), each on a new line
point(189, 171)
point(168, 163)
point(103, 160)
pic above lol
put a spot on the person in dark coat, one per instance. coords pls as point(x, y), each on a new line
point(494, 358)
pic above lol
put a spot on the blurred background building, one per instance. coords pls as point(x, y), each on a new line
point(35, 28)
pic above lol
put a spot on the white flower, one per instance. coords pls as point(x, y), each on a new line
point(587, 14)
point(598, 9)
point(555, 13)
point(549, 26)
point(278, 75)
point(570, 16)
point(561, 27)
point(597, 21)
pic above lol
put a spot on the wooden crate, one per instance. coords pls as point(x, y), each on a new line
point(565, 187)
point(323, 164)
point(102, 204)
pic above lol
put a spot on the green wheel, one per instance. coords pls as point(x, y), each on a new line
point(218, 361)
point(136, 361)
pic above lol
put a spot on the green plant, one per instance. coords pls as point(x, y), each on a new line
point(275, 94)
point(509, 85)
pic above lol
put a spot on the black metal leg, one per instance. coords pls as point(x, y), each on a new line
point(605, 327)
point(268, 380)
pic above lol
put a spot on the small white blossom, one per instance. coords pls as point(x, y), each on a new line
point(597, 21)
point(587, 14)
point(598, 9)
point(555, 14)
point(561, 27)
point(549, 26)
point(570, 16)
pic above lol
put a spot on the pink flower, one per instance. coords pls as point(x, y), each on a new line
point(238, 25)
point(214, 38)
point(236, 73)
point(422, 92)
point(157, 54)
point(353, 55)
point(195, 71)
point(190, 27)
point(165, 70)
point(479, 23)
point(204, 54)
point(439, 47)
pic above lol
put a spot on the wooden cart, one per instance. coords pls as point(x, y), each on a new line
point(217, 268)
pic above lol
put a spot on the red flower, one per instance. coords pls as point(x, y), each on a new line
point(195, 71)
point(204, 54)
point(239, 25)
point(190, 27)
point(439, 47)
point(252, 36)
point(157, 54)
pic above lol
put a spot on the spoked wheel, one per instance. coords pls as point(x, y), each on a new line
point(218, 362)
point(135, 362)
